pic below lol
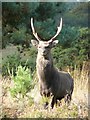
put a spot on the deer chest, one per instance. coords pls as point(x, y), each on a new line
point(44, 68)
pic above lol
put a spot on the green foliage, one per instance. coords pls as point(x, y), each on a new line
point(78, 15)
point(16, 20)
point(82, 45)
point(26, 58)
point(22, 81)
point(45, 10)
point(75, 48)
point(18, 36)
point(5, 41)
point(66, 57)
point(68, 36)
point(45, 29)
point(29, 55)
point(73, 37)
point(11, 62)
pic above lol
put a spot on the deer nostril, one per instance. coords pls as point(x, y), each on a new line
point(44, 51)
point(39, 46)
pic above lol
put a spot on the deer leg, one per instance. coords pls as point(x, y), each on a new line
point(53, 102)
point(67, 98)
point(46, 105)
point(58, 103)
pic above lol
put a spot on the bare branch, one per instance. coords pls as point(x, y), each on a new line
point(33, 30)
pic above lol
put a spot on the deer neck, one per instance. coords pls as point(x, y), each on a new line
point(44, 62)
point(44, 67)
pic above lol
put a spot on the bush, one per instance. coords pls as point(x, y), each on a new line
point(66, 57)
point(68, 36)
point(11, 62)
point(74, 50)
point(18, 36)
point(26, 58)
point(22, 81)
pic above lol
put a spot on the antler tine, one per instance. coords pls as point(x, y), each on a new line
point(58, 31)
point(33, 30)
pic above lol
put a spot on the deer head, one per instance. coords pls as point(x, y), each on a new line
point(44, 47)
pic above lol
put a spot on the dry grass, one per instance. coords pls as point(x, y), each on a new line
point(81, 89)
point(81, 82)
point(30, 108)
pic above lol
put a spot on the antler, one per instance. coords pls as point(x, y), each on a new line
point(36, 35)
point(33, 30)
point(58, 31)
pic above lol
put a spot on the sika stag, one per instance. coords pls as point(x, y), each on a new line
point(52, 82)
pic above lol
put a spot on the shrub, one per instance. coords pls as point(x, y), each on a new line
point(22, 81)
point(11, 62)
point(26, 58)
point(18, 36)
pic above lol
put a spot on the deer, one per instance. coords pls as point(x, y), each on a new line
point(52, 82)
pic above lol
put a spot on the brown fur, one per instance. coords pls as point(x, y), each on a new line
point(53, 82)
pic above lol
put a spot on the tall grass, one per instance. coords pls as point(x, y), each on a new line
point(78, 104)
point(81, 81)
point(81, 88)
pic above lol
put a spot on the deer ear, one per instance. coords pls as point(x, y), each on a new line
point(54, 43)
point(34, 43)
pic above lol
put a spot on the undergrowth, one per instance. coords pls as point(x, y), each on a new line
point(32, 104)
point(22, 81)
